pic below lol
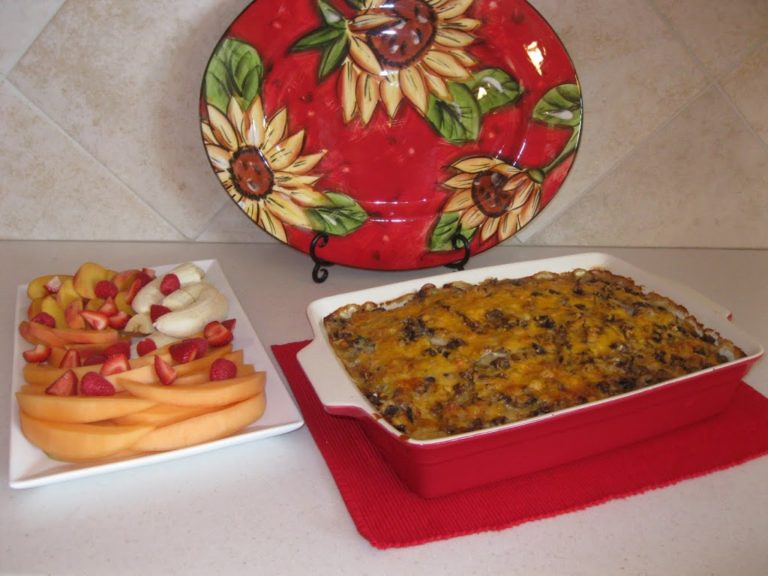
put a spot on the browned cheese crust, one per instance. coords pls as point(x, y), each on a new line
point(462, 357)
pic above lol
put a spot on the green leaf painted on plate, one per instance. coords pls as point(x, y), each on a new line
point(494, 88)
point(446, 229)
point(235, 70)
point(560, 106)
point(356, 4)
point(333, 57)
point(330, 15)
point(318, 38)
point(341, 216)
point(458, 121)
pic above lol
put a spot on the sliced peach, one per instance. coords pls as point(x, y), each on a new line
point(218, 393)
point(79, 408)
point(73, 442)
point(67, 293)
point(51, 306)
point(34, 308)
point(37, 287)
point(87, 276)
point(121, 301)
point(72, 315)
point(162, 415)
point(203, 428)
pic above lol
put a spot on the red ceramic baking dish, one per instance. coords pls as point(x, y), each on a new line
point(433, 468)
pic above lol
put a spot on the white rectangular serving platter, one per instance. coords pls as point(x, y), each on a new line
point(30, 467)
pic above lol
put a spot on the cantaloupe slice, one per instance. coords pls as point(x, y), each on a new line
point(217, 393)
point(204, 428)
point(80, 409)
point(204, 376)
point(80, 442)
point(39, 377)
point(162, 415)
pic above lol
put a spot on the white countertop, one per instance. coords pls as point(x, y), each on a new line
point(271, 506)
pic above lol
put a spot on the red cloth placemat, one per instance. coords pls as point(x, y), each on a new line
point(389, 515)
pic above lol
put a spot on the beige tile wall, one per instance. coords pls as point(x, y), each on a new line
point(99, 136)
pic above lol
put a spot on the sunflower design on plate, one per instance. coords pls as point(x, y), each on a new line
point(413, 50)
point(261, 165)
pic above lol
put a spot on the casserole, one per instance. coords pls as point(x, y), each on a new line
point(434, 467)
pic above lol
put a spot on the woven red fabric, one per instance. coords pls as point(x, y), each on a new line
point(389, 515)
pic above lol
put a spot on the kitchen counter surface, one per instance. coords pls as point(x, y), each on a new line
point(271, 506)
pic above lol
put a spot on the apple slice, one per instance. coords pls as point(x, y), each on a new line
point(204, 428)
point(74, 442)
point(218, 393)
point(81, 409)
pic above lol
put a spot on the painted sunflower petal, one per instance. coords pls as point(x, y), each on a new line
point(473, 218)
point(276, 128)
point(367, 96)
point(281, 206)
point(453, 38)
point(464, 58)
point(235, 116)
point(303, 195)
point(304, 164)
point(460, 181)
point(368, 21)
point(286, 152)
point(218, 156)
point(489, 228)
point(463, 24)
point(346, 87)
point(272, 224)
point(507, 226)
point(445, 65)
point(475, 164)
point(363, 56)
point(459, 202)
point(222, 130)
point(514, 173)
point(436, 85)
point(448, 9)
point(208, 136)
point(287, 180)
point(254, 124)
point(522, 194)
point(530, 209)
point(391, 94)
point(413, 87)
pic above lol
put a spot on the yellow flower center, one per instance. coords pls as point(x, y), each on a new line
point(251, 173)
point(489, 195)
point(399, 44)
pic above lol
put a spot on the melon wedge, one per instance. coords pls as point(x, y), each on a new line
point(80, 442)
point(82, 409)
point(204, 428)
point(217, 393)
point(162, 415)
point(39, 377)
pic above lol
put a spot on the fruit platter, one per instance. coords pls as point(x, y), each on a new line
point(117, 369)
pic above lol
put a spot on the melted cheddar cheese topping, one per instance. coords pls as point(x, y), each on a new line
point(462, 357)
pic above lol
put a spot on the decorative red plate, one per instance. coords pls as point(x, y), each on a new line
point(402, 134)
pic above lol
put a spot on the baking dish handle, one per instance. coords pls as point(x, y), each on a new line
point(328, 378)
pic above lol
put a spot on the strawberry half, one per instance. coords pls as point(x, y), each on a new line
point(53, 285)
point(119, 320)
point(222, 369)
point(187, 350)
point(64, 385)
point(145, 346)
point(45, 319)
point(169, 283)
point(94, 358)
point(114, 365)
point(122, 347)
point(94, 384)
point(71, 359)
point(105, 289)
point(39, 353)
point(109, 308)
point(217, 334)
point(230, 323)
point(157, 310)
point(164, 371)
point(95, 319)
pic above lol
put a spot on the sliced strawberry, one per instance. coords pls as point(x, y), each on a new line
point(53, 285)
point(217, 334)
point(39, 353)
point(119, 320)
point(133, 289)
point(157, 310)
point(149, 272)
point(45, 319)
point(94, 384)
point(122, 347)
point(105, 289)
point(169, 283)
point(71, 359)
point(145, 276)
point(145, 346)
point(222, 369)
point(94, 358)
point(164, 371)
point(230, 323)
point(64, 385)
point(114, 365)
point(109, 308)
point(95, 319)
point(187, 350)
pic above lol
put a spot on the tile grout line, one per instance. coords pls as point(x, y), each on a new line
point(81, 149)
